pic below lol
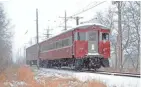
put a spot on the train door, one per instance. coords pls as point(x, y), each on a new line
point(80, 44)
point(92, 37)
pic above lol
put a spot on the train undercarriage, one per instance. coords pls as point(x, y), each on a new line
point(73, 63)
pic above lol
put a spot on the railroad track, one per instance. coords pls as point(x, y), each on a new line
point(119, 74)
point(102, 72)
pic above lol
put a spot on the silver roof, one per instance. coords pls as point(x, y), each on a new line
point(91, 24)
point(82, 26)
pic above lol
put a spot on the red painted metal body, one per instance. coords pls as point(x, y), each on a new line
point(81, 49)
point(57, 54)
point(77, 49)
point(64, 52)
point(104, 49)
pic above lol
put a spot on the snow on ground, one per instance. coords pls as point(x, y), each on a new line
point(109, 80)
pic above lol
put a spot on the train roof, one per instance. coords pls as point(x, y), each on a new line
point(82, 26)
point(91, 24)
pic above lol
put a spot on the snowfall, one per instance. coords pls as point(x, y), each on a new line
point(109, 80)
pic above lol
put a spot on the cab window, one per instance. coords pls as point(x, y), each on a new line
point(92, 36)
point(105, 36)
point(81, 36)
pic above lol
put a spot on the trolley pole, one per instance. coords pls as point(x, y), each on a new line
point(66, 18)
point(37, 36)
point(77, 20)
point(48, 32)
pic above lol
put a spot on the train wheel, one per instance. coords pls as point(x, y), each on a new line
point(59, 64)
point(89, 66)
point(71, 66)
point(105, 62)
point(78, 64)
point(47, 64)
point(95, 69)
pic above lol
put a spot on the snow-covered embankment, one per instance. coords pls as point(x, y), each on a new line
point(109, 80)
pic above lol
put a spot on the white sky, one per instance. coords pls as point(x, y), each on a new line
point(22, 16)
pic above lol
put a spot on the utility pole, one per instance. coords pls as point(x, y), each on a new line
point(119, 40)
point(65, 20)
point(37, 38)
point(120, 33)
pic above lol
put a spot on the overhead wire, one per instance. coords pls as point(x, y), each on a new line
point(76, 12)
point(88, 8)
point(84, 10)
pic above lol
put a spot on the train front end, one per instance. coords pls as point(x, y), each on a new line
point(92, 46)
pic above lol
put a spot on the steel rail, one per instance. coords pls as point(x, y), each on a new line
point(102, 72)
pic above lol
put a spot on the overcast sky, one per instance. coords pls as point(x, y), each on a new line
point(22, 16)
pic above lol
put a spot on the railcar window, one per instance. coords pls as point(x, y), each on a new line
point(70, 40)
point(63, 43)
point(54, 45)
point(57, 44)
point(75, 36)
point(49, 46)
point(42, 49)
point(105, 36)
point(45, 47)
point(60, 44)
point(81, 36)
point(66, 42)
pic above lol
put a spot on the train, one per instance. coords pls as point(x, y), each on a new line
point(84, 46)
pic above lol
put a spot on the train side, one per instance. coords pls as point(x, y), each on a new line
point(57, 47)
point(31, 55)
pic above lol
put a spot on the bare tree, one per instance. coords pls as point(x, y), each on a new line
point(5, 40)
point(131, 29)
point(130, 18)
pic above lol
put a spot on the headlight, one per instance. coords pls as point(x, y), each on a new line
point(92, 47)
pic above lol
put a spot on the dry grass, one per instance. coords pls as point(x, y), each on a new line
point(68, 82)
point(25, 75)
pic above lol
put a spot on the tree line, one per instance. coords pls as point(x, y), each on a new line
point(5, 40)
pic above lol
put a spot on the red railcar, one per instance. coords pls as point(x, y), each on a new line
point(84, 46)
